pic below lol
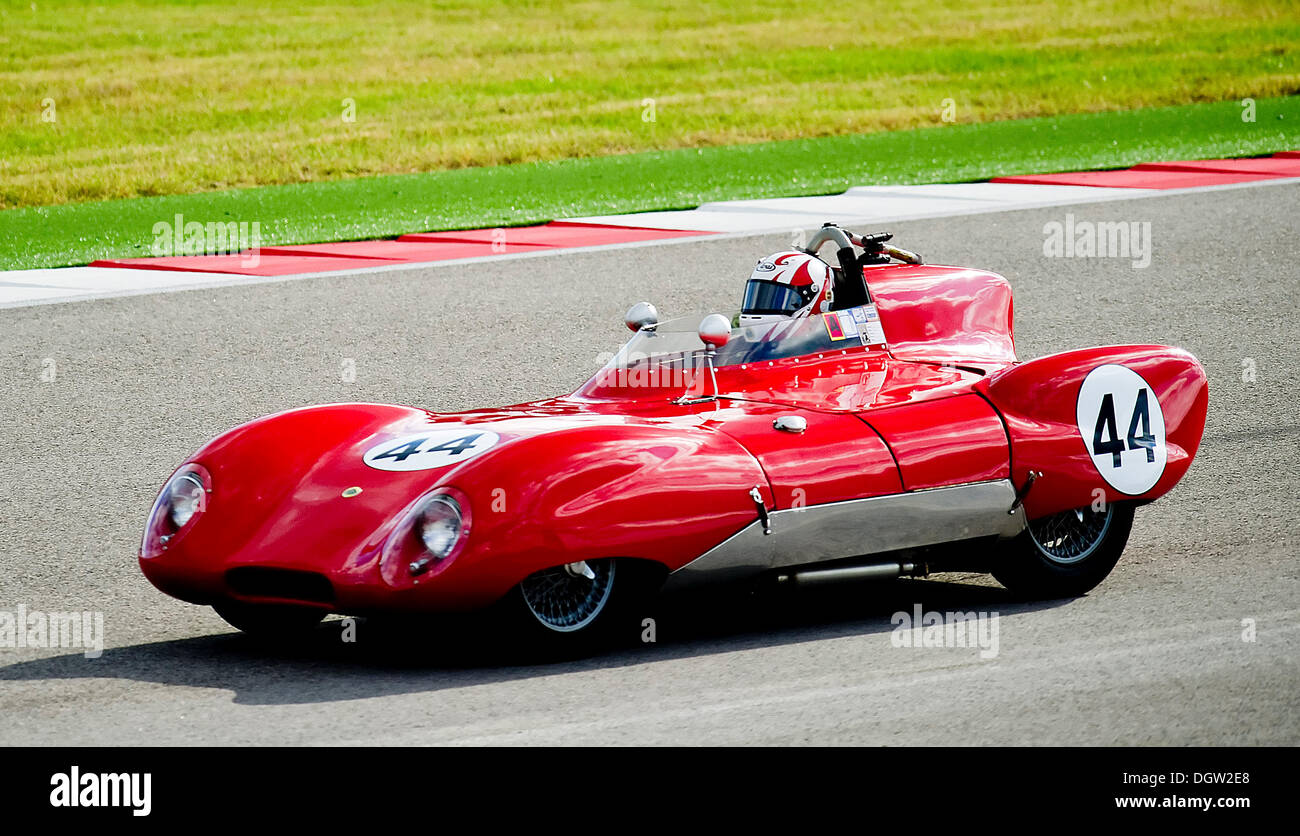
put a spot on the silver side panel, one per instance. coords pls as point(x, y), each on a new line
point(859, 527)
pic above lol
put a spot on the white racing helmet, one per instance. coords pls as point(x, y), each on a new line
point(786, 285)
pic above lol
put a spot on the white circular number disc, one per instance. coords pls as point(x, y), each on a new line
point(1123, 428)
point(427, 450)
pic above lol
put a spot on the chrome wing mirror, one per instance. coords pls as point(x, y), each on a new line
point(715, 332)
point(641, 316)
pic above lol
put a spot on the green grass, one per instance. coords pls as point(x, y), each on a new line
point(535, 192)
point(152, 98)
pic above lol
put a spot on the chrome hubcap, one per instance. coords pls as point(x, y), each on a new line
point(1071, 536)
point(567, 598)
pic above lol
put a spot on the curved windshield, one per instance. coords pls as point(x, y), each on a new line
point(672, 352)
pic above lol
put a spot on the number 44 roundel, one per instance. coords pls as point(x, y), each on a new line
point(429, 449)
point(1123, 428)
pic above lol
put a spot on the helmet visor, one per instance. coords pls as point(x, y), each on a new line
point(765, 297)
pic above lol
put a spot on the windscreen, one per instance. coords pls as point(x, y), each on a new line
point(673, 349)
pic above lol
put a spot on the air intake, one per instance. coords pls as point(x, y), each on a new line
point(291, 584)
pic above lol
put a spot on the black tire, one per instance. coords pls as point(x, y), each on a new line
point(1067, 554)
point(559, 613)
point(270, 621)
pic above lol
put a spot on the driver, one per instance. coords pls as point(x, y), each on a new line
point(787, 285)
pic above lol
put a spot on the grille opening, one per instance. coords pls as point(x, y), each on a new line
point(263, 582)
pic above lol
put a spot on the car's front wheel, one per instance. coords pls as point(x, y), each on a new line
point(1065, 555)
point(582, 606)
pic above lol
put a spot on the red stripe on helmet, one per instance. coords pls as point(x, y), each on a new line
point(801, 276)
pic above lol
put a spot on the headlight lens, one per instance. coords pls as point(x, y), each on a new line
point(426, 538)
point(186, 497)
point(179, 504)
point(440, 525)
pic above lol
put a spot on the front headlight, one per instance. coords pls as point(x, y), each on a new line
point(427, 537)
point(187, 496)
point(440, 526)
point(179, 504)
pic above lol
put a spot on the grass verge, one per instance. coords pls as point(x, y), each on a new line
point(377, 207)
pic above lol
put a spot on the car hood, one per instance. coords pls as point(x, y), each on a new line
point(329, 482)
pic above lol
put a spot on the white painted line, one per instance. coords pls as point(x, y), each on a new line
point(103, 278)
point(15, 295)
point(19, 288)
point(1030, 193)
point(23, 288)
point(714, 220)
point(868, 204)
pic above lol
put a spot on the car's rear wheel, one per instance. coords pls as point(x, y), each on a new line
point(269, 620)
point(1067, 554)
point(583, 606)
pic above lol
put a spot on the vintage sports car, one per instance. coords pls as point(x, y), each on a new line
point(866, 418)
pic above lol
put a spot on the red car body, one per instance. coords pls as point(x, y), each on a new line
point(936, 435)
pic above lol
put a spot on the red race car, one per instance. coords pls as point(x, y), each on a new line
point(862, 418)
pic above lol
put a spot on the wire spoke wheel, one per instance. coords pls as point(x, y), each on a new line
point(1067, 554)
point(570, 597)
point(1071, 536)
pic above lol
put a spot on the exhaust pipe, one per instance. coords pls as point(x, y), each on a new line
point(870, 571)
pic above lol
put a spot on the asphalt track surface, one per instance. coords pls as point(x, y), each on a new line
point(1153, 656)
